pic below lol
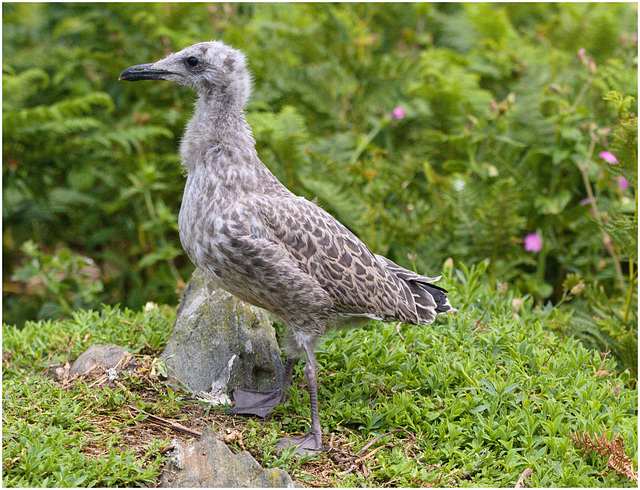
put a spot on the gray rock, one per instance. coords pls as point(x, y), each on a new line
point(109, 356)
point(219, 343)
point(210, 463)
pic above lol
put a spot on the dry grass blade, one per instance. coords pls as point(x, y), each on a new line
point(525, 474)
point(600, 371)
point(367, 456)
point(371, 443)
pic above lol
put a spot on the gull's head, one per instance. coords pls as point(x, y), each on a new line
point(210, 68)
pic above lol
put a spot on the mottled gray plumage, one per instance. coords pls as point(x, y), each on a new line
point(266, 245)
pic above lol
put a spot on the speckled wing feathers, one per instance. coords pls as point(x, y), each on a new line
point(358, 281)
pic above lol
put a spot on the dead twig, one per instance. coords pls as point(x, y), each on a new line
point(154, 419)
point(553, 351)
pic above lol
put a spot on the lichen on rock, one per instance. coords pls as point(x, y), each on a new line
point(210, 463)
point(219, 343)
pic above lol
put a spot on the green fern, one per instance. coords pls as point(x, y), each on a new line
point(130, 139)
point(18, 86)
point(286, 135)
point(623, 229)
point(26, 121)
point(624, 144)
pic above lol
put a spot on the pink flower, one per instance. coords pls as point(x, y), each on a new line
point(587, 200)
point(533, 242)
point(582, 55)
point(622, 182)
point(608, 157)
point(398, 113)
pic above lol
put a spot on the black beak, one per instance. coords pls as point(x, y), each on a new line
point(143, 72)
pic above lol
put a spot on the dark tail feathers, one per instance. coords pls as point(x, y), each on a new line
point(440, 295)
point(423, 291)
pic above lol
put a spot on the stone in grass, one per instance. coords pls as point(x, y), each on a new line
point(210, 463)
point(219, 343)
point(109, 356)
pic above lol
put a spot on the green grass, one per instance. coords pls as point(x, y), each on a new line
point(75, 437)
point(48, 438)
point(485, 402)
point(472, 400)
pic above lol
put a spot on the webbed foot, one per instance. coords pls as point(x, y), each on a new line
point(304, 445)
point(256, 402)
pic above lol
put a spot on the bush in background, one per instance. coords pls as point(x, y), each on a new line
point(470, 131)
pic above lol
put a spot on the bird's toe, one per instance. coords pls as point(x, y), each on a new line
point(305, 445)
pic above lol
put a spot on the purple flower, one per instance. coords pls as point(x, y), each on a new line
point(622, 182)
point(398, 113)
point(533, 242)
point(608, 157)
point(587, 200)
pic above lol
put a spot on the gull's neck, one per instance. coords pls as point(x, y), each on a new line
point(217, 123)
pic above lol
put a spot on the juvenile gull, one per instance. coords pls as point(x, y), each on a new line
point(268, 246)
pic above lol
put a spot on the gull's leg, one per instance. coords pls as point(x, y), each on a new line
point(287, 376)
point(311, 442)
point(261, 402)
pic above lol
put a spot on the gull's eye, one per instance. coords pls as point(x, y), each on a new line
point(192, 61)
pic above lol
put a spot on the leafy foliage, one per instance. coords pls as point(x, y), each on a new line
point(472, 400)
point(432, 131)
point(61, 275)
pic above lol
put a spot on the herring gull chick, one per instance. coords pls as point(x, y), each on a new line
point(268, 246)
